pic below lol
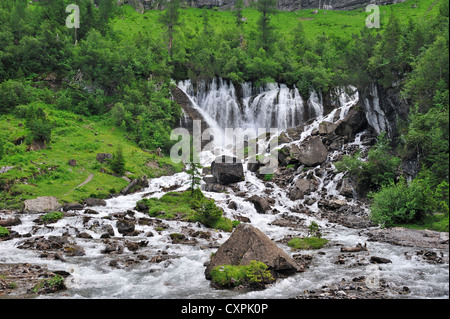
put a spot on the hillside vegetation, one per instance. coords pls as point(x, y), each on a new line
point(70, 95)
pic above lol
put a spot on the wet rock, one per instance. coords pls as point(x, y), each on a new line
point(13, 221)
point(124, 227)
point(94, 202)
point(72, 206)
point(41, 205)
point(262, 206)
point(379, 260)
point(326, 127)
point(303, 187)
point(135, 185)
point(410, 237)
point(248, 243)
point(313, 152)
point(227, 170)
point(355, 121)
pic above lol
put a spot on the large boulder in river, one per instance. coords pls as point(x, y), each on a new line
point(313, 152)
point(248, 243)
point(302, 187)
point(262, 206)
point(227, 170)
point(41, 205)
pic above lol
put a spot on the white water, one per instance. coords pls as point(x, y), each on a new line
point(183, 276)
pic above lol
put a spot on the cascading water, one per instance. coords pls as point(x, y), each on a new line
point(182, 275)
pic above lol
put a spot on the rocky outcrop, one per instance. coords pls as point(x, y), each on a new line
point(41, 205)
point(227, 170)
point(248, 243)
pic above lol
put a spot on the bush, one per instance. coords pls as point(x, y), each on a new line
point(4, 232)
point(13, 93)
point(52, 217)
point(307, 243)
point(401, 203)
point(117, 163)
point(255, 275)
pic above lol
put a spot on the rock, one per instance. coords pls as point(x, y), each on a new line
point(379, 260)
point(72, 206)
point(410, 237)
point(303, 187)
point(135, 185)
point(326, 127)
point(41, 205)
point(227, 170)
point(94, 202)
point(355, 121)
point(125, 226)
point(261, 204)
point(72, 162)
point(13, 221)
point(313, 152)
point(103, 157)
point(214, 187)
point(248, 243)
point(5, 169)
point(346, 188)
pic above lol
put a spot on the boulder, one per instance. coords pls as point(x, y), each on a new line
point(248, 243)
point(125, 227)
point(135, 185)
point(262, 206)
point(303, 187)
point(94, 202)
point(72, 206)
point(72, 162)
point(312, 152)
point(227, 170)
point(326, 127)
point(103, 157)
point(355, 121)
point(41, 205)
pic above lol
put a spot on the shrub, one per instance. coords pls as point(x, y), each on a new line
point(52, 217)
point(13, 93)
point(117, 163)
point(255, 275)
point(402, 203)
point(4, 232)
point(307, 243)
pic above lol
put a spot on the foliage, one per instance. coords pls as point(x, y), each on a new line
point(401, 203)
point(187, 206)
point(52, 217)
point(307, 243)
point(194, 175)
point(255, 275)
point(314, 230)
point(4, 232)
point(39, 125)
point(117, 163)
point(52, 284)
point(380, 167)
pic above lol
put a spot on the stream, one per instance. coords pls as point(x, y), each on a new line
point(180, 274)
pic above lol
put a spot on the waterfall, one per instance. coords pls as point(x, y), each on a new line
point(270, 106)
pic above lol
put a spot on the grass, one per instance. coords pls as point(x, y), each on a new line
point(47, 172)
point(181, 205)
point(307, 243)
point(437, 222)
point(331, 23)
point(229, 276)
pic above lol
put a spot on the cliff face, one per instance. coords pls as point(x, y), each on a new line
point(285, 5)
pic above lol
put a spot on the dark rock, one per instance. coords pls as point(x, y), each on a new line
point(13, 221)
point(227, 170)
point(103, 157)
point(303, 187)
point(248, 243)
point(355, 121)
point(72, 162)
point(72, 206)
point(124, 226)
point(262, 206)
point(379, 260)
point(94, 202)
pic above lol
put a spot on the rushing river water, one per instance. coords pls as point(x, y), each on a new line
point(182, 275)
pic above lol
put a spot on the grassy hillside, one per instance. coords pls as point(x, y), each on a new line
point(328, 22)
point(47, 172)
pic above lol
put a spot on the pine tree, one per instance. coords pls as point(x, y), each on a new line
point(117, 163)
point(267, 8)
point(170, 18)
point(194, 175)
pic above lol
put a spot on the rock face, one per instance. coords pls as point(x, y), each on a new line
point(284, 5)
point(227, 170)
point(313, 152)
point(41, 205)
point(248, 243)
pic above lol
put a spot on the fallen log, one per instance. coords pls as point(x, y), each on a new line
point(357, 248)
